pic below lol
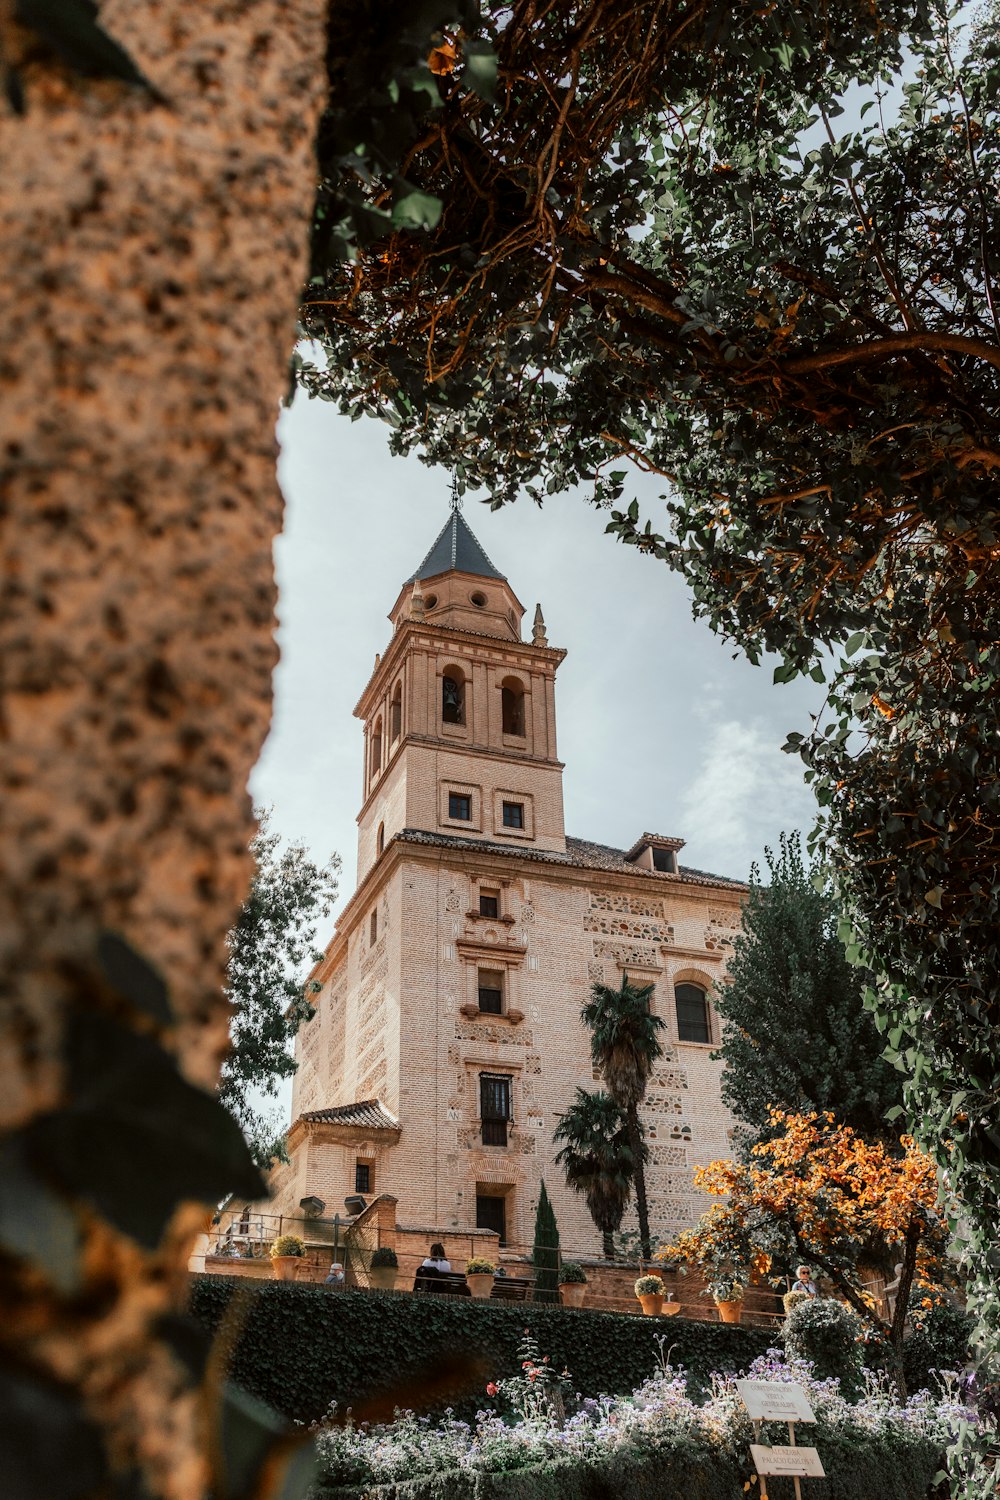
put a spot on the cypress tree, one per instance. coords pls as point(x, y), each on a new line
point(545, 1254)
point(796, 1034)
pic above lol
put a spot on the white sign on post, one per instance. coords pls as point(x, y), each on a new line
point(775, 1401)
point(794, 1461)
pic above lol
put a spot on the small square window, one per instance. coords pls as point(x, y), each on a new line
point(459, 806)
point(491, 992)
point(373, 926)
point(513, 815)
point(489, 906)
point(362, 1177)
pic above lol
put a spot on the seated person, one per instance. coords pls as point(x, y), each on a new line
point(437, 1260)
point(336, 1276)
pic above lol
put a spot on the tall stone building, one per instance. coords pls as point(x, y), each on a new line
point(447, 1038)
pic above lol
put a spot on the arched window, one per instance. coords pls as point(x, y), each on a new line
point(380, 839)
point(453, 697)
point(512, 706)
point(376, 755)
point(693, 1023)
point(396, 714)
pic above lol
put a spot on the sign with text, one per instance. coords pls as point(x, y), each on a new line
point(793, 1461)
point(775, 1401)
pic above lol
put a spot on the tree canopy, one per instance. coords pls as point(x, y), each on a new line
point(270, 948)
point(816, 1191)
point(595, 1154)
point(675, 248)
point(797, 1035)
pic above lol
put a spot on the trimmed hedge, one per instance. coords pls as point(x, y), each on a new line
point(299, 1348)
point(877, 1470)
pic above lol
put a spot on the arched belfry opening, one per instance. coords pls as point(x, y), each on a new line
point(512, 699)
point(453, 696)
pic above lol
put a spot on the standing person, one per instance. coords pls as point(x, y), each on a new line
point(437, 1260)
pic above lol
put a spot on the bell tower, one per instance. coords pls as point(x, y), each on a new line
point(459, 713)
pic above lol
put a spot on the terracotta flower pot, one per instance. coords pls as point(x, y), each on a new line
point(572, 1293)
point(384, 1277)
point(670, 1308)
point(480, 1284)
point(652, 1304)
point(283, 1266)
point(730, 1312)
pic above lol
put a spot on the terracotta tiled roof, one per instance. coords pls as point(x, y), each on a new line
point(580, 853)
point(370, 1114)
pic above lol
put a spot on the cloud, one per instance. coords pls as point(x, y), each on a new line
point(745, 792)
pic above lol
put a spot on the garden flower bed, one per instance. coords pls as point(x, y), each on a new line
point(659, 1443)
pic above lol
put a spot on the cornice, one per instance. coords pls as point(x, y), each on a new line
point(475, 639)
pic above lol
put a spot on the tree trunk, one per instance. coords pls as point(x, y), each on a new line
point(635, 1141)
point(609, 1245)
point(154, 251)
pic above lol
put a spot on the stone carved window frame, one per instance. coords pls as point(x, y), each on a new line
point(480, 953)
point(474, 792)
point(696, 976)
point(527, 802)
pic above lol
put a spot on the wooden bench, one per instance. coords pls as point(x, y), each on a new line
point(453, 1284)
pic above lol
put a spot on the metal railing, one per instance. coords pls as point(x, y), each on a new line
point(249, 1236)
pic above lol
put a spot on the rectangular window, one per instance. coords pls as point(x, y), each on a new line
point(373, 927)
point(459, 806)
point(362, 1177)
point(513, 815)
point(494, 1107)
point(491, 991)
point(489, 906)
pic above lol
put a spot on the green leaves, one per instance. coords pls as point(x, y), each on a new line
point(136, 1138)
point(72, 30)
point(480, 70)
point(416, 210)
point(35, 1223)
point(47, 1446)
point(260, 1456)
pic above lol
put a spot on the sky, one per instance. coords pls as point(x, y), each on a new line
point(660, 728)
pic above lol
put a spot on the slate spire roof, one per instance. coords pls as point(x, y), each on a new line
point(455, 548)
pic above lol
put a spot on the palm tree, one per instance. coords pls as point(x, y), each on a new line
point(597, 1159)
point(624, 1046)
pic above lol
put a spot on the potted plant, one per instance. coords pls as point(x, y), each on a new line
point(649, 1290)
point(384, 1268)
point(286, 1252)
point(572, 1284)
point(479, 1274)
point(728, 1295)
point(793, 1298)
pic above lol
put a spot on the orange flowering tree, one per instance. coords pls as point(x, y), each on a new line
point(819, 1192)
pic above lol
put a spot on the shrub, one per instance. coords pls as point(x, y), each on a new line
point(828, 1334)
point(297, 1348)
point(288, 1244)
point(654, 1443)
point(649, 1286)
point(384, 1256)
point(479, 1266)
point(571, 1271)
point(794, 1299)
point(939, 1341)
